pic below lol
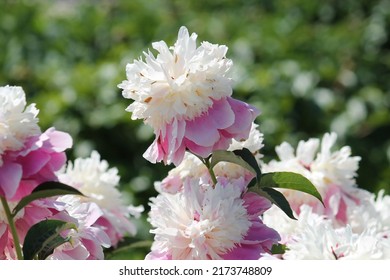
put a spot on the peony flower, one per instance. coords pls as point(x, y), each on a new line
point(184, 95)
point(332, 173)
point(87, 241)
point(93, 177)
point(206, 222)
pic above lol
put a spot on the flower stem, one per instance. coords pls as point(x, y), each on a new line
point(12, 226)
point(211, 171)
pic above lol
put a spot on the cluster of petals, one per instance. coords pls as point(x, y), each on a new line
point(184, 94)
point(316, 237)
point(332, 173)
point(203, 221)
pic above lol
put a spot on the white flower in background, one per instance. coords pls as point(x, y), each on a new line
point(316, 239)
point(93, 177)
point(332, 173)
point(17, 122)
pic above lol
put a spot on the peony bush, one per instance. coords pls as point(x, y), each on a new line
point(220, 200)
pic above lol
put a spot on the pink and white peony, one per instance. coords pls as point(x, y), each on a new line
point(206, 222)
point(184, 95)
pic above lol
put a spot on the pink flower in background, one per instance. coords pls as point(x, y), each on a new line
point(184, 94)
point(206, 222)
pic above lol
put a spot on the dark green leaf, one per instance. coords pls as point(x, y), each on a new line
point(43, 237)
point(276, 198)
point(242, 157)
point(47, 189)
point(278, 249)
point(289, 180)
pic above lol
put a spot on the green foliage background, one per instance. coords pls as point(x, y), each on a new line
point(310, 66)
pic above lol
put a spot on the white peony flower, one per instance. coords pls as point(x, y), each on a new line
point(17, 122)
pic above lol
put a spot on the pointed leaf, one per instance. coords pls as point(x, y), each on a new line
point(276, 198)
point(242, 157)
point(289, 180)
point(47, 189)
point(43, 237)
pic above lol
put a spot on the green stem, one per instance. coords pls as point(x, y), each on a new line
point(12, 226)
point(211, 171)
point(206, 161)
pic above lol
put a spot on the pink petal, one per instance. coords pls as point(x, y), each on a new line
point(245, 115)
point(202, 131)
point(10, 176)
point(33, 162)
point(221, 114)
point(199, 150)
point(59, 140)
point(255, 204)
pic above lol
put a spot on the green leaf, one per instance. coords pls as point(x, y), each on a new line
point(278, 249)
point(43, 237)
point(289, 180)
point(276, 198)
point(46, 189)
point(242, 157)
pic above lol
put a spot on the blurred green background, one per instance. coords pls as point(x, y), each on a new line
point(310, 66)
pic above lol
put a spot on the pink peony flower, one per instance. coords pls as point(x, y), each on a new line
point(185, 96)
point(206, 222)
point(41, 156)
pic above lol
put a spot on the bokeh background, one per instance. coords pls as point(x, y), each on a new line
point(310, 66)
